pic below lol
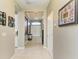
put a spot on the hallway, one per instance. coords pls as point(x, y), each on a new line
point(39, 29)
point(32, 51)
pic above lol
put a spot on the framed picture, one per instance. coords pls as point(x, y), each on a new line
point(68, 14)
point(11, 21)
point(2, 18)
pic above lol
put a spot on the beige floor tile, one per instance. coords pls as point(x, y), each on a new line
point(32, 51)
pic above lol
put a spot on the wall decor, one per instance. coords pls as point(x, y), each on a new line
point(11, 21)
point(68, 14)
point(2, 18)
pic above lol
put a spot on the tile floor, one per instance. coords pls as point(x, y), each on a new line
point(32, 51)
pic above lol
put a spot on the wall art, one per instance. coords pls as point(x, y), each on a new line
point(2, 18)
point(11, 21)
point(68, 14)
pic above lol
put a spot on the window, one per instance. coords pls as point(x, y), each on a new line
point(36, 23)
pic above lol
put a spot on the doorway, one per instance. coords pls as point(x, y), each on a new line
point(36, 31)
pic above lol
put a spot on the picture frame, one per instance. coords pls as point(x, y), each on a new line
point(68, 14)
point(2, 18)
point(11, 21)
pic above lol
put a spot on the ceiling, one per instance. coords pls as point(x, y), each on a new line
point(33, 4)
point(34, 8)
point(34, 15)
point(17, 8)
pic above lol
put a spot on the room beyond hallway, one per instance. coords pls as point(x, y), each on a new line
point(32, 52)
point(33, 43)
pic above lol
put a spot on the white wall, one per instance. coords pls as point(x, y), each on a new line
point(7, 37)
point(50, 33)
point(66, 37)
point(16, 29)
point(7, 34)
point(21, 29)
point(45, 28)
